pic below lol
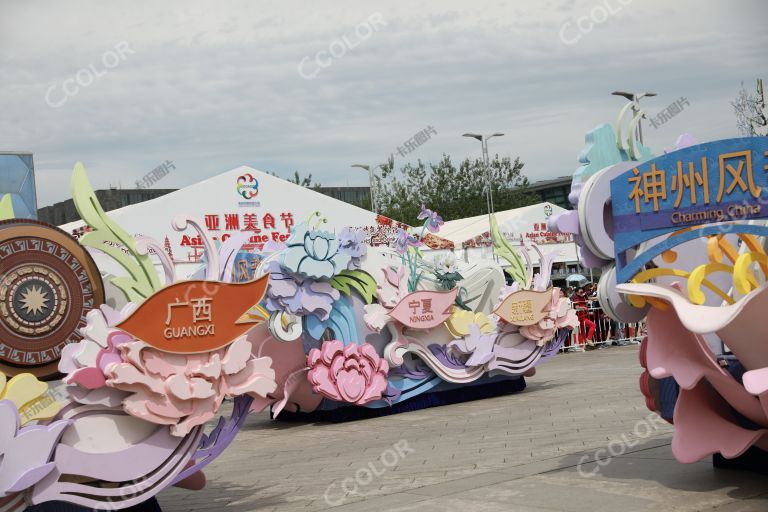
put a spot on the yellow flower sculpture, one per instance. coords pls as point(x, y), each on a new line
point(460, 320)
point(30, 396)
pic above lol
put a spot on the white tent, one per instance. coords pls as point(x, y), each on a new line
point(530, 221)
point(239, 200)
point(471, 236)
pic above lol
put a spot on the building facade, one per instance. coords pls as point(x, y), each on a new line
point(110, 199)
point(554, 191)
point(358, 196)
point(17, 179)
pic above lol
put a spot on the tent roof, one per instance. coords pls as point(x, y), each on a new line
point(516, 221)
point(241, 200)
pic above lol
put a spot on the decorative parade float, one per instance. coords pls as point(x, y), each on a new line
point(113, 380)
point(680, 239)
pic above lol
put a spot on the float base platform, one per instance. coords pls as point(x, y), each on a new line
point(433, 399)
point(754, 459)
point(150, 505)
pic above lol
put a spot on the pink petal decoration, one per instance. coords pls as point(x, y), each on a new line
point(354, 374)
point(675, 351)
point(89, 378)
point(704, 419)
point(756, 381)
point(186, 390)
point(290, 386)
point(289, 362)
point(393, 287)
point(424, 309)
point(376, 316)
point(705, 425)
point(736, 324)
point(559, 316)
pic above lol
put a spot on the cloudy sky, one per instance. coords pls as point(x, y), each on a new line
point(316, 86)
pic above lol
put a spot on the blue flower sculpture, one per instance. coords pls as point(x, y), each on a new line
point(314, 254)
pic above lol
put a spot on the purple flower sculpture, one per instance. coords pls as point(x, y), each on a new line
point(298, 295)
point(478, 346)
point(352, 243)
point(433, 220)
point(448, 357)
point(404, 240)
point(26, 452)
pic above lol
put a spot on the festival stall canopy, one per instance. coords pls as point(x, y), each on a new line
point(245, 201)
point(528, 223)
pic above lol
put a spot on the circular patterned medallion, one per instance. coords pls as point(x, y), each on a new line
point(49, 284)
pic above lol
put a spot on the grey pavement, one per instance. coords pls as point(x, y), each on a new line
point(579, 438)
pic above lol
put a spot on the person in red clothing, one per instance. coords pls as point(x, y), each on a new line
point(579, 301)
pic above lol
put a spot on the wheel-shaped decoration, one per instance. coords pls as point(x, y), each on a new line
point(49, 283)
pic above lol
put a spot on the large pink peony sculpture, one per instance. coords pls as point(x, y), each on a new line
point(180, 390)
point(354, 374)
point(186, 390)
point(709, 395)
point(560, 315)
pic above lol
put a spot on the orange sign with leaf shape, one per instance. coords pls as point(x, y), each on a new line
point(196, 316)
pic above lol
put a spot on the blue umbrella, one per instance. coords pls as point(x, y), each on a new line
point(576, 278)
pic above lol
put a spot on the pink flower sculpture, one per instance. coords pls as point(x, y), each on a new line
point(110, 367)
point(186, 390)
point(354, 374)
point(560, 315)
point(704, 417)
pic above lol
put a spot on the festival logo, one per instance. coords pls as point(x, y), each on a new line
point(247, 186)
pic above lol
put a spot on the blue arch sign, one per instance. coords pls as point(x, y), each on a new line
point(721, 181)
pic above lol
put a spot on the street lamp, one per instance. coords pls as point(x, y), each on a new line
point(635, 99)
point(370, 181)
point(488, 192)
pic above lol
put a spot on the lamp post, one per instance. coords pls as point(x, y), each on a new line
point(370, 181)
point(488, 191)
point(635, 99)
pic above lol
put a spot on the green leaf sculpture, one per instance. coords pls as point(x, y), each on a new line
point(106, 236)
point(503, 249)
point(359, 280)
point(6, 208)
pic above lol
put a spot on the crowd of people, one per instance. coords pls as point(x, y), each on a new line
point(596, 330)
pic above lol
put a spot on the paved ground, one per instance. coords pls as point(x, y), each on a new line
point(531, 451)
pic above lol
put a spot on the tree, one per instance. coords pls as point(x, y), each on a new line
point(453, 192)
point(751, 112)
point(305, 181)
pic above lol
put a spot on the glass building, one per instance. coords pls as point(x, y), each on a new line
point(17, 178)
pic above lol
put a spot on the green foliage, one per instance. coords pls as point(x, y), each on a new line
point(358, 280)
point(306, 181)
point(106, 236)
point(453, 192)
point(448, 280)
point(503, 249)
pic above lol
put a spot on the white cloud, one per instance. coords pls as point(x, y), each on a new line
point(213, 85)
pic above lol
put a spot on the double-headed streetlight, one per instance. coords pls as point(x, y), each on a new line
point(635, 99)
point(488, 176)
point(370, 181)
